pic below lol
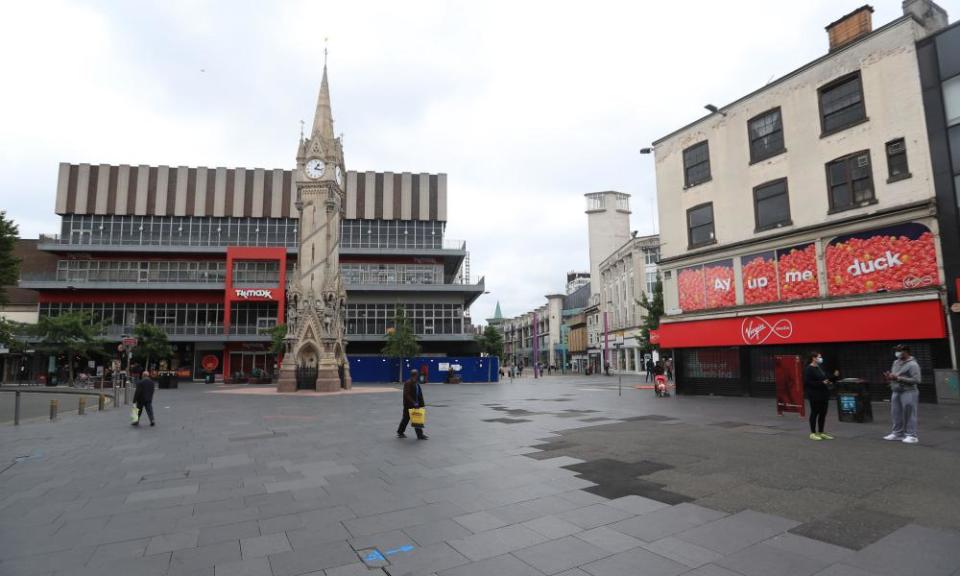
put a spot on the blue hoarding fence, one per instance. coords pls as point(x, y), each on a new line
point(383, 369)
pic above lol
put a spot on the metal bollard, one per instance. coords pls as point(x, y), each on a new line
point(54, 405)
point(126, 397)
point(101, 402)
point(16, 409)
point(81, 405)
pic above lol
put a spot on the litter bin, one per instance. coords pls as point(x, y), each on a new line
point(853, 401)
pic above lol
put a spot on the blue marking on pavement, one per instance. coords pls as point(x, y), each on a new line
point(375, 556)
point(404, 548)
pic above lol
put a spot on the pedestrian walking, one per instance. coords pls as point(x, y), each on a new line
point(668, 366)
point(904, 377)
point(412, 398)
point(649, 367)
point(143, 397)
point(816, 386)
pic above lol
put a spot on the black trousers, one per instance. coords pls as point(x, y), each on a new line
point(818, 415)
point(406, 420)
point(149, 407)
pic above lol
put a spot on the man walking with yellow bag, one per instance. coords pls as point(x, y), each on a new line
point(412, 400)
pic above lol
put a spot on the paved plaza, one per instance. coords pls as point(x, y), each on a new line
point(560, 475)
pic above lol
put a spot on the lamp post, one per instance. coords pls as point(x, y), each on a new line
point(536, 347)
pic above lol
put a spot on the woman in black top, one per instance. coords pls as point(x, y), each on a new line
point(816, 386)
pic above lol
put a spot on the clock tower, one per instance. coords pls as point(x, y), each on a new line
point(314, 353)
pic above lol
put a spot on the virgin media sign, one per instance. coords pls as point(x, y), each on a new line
point(855, 324)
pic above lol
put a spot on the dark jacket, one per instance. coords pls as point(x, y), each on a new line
point(813, 386)
point(412, 394)
point(144, 392)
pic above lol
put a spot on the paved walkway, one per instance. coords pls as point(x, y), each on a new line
point(559, 475)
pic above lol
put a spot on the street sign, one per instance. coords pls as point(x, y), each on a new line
point(129, 341)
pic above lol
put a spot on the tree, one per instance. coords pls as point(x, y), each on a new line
point(73, 333)
point(9, 264)
point(491, 341)
point(277, 335)
point(152, 342)
point(654, 308)
point(401, 341)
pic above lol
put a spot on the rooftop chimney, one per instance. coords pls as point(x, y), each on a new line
point(850, 27)
point(931, 16)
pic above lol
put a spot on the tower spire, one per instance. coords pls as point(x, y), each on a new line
point(323, 117)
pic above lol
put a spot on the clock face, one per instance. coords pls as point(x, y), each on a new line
point(339, 174)
point(314, 168)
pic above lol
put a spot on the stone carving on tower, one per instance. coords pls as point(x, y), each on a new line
point(316, 298)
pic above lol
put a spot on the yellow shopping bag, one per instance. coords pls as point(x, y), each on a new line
point(418, 416)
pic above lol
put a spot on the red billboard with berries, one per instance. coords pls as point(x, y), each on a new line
point(759, 272)
point(707, 286)
point(902, 257)
point(797, 272)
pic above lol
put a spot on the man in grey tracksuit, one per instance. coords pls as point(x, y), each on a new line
point(904, 377)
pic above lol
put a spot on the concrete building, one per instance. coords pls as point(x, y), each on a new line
point(204, 253)
point(535, 335)
point(625, 275)
point(803, 215)
point(21, 307)
point(608, 228)
point(575, 280)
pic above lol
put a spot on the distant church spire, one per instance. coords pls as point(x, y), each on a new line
point(497, 315)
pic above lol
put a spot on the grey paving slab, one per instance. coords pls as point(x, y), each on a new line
point(594, 515)
point(609, 539)
point(811, 548)
point(636, 504)
point(262, 546)
point(666, 521)
point(736, 532)
point(172, 542)
point(852, 528)
point(552, 527)
point(711, 570)
point(683, 552)
point(426, 560)
point(401, 519)
point(204, 556)
point(911, 550)
point(763, 559)
point(317, 534)
point(498, 565)
point(561, 554)
point(226, 532)
point(251, 567)
point(479, 521)
point(356, 569)
point(159, 493)
point(630, 563)
point(434, 532)
point(312, 559)
point(497, 542)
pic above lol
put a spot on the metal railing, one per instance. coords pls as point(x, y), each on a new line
point(171, 330)
point(127, 276)
point(81, 400)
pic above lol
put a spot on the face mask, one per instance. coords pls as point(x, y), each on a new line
point(819, 359)
point(896, 355)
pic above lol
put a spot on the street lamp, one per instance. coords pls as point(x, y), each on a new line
point(606, 339)
point(715, 110)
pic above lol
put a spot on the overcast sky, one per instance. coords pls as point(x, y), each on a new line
point(525, 105)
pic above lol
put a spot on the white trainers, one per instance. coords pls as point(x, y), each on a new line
point(892, 436)
point(910, 440)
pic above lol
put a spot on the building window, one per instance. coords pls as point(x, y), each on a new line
point(771, 205)
point(897, 160)
point(766, 135)
point(841, 104)
point(696, 164)
point(850, 181)
point(700, 225)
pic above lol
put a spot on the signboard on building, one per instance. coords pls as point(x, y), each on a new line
point(707, 286)
point(129, 342)
point(902, 257)
point(852, 324)
point(255, 293)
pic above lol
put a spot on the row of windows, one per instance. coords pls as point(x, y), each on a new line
point(119, 318)
point(177, 231)
point(256, 272)
point(392, 273)
point(841, 106)
point(392, 234)
point(261, 314)
point(139, 271)
point(849, 182)
point(425, 319)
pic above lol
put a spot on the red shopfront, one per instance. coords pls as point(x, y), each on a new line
point(254, 302)
point(734, 355)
